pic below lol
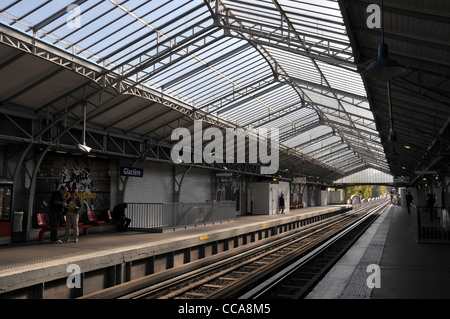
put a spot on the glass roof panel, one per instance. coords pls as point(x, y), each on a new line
point(316, 18)
point(253, 63)
point(343, 79)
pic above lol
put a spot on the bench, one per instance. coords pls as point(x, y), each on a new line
point(92, 217)
point(44, 223)
point(295, 204)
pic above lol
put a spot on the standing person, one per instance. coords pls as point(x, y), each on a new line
point(409, 199)
point(281, 203)
point(73, 205)
point(118, 214)
point(55, 211)
point(430, 206)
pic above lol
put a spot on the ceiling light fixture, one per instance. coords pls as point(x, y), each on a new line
point(83, 147)
point(383, 68)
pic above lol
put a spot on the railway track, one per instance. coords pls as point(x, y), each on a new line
point(243, 275)
point(296, 280)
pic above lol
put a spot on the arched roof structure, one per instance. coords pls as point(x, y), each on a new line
point(143, 68)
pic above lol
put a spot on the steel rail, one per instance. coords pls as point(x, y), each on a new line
point(223, 285)
point(241, 259)
point(214, 274)
point(198, 267)
point(271, 282)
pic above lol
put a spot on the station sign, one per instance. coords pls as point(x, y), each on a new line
point(223, 180)
point(401, 179)
point(131, 171)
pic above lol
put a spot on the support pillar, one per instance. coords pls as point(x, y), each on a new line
point(28, 214)
point(179, 172)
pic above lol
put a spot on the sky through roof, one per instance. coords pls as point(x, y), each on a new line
point(252, 63)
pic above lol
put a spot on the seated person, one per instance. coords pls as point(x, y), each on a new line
point(118, 214)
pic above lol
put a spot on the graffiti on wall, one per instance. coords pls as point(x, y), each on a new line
point(88, 176)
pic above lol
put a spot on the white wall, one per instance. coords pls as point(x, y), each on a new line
point(196, 186)
point(265, 197)
point(258, 193)
point(324, 198)
point(154, 187)
point(335, 197)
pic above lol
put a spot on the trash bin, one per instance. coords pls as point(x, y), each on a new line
point(17, 222)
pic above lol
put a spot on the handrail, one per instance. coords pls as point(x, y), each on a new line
point(181, 218)
point(430, 224)
point(174, 215)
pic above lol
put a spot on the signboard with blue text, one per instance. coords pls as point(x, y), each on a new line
point(131, 171)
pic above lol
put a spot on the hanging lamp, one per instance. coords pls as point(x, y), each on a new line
point(383, 68)
point(83, 147)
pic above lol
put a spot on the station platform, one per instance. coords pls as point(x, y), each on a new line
point(40, 269)
point(407, 269)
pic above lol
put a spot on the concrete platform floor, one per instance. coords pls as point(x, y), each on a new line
point(32, 263)
point(407, 269)
point(18, 254)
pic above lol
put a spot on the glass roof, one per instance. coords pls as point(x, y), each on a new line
point(252, 63)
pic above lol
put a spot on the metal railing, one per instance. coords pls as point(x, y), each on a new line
point(145, 215)
point(158, 216)
point(430, 224)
